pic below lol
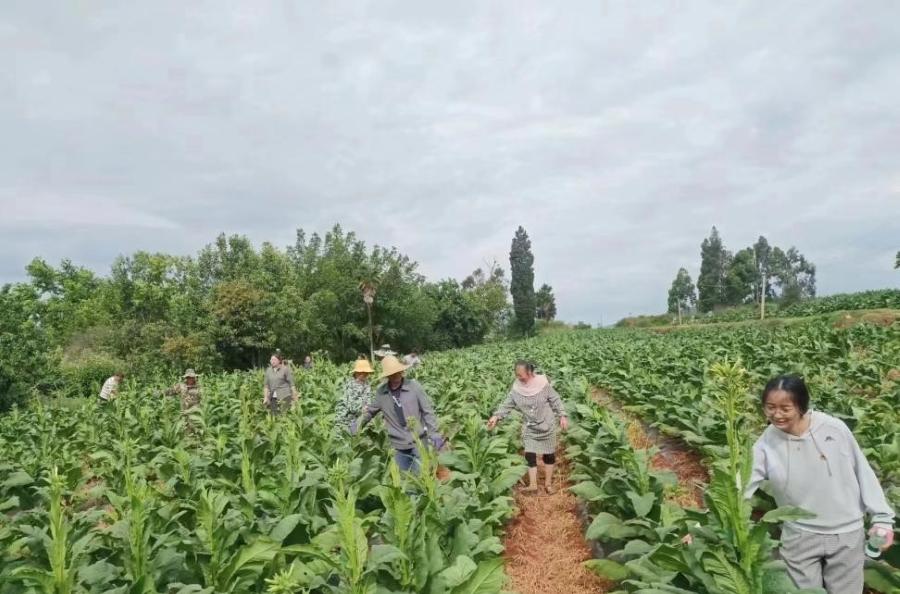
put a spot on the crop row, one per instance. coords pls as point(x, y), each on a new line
point(133, 498)
point(669, 380)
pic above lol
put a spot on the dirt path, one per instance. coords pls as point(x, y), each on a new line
point(545, 547)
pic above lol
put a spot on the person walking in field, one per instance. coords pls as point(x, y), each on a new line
point(812, 461)
point(188, 390)
point(356, 394)
point(406, 408)
point(279, 390)
point(540, 406)
point(110, 388)
point(385, 351)
point(412, 360)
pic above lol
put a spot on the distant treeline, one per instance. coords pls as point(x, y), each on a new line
point(757, 274)
point(228, 307)
point(879, 299)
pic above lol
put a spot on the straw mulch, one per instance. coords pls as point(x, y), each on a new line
point(545, 547)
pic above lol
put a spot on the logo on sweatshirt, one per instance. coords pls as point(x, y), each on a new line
point(829, 438)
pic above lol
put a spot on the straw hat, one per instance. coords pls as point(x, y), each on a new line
point(391, 365)
point(190, 373)
point(362, 366)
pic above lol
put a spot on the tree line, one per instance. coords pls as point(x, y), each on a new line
point(229, 306)
point(757, 274)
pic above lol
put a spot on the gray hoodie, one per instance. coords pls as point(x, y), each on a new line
point(824, 472)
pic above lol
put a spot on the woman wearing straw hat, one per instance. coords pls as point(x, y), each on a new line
point(357, 392)
point(540, 405)
point(400, 401)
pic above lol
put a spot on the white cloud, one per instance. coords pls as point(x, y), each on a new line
point(618, 134)
point(35, 210)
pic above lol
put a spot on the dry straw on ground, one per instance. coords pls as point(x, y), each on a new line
point(545, 548)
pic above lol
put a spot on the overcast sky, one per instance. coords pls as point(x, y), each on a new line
point(617, 133)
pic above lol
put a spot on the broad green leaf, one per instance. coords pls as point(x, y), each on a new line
point(664, 589)
point(642, 503)
point(11, 503)
point(587, 491)
point(284, 528)
point(729, 577)
point(261, 551)
point(487, 579)
point(608, 569)
point(881, 577)
point(636, 548)
point(606, 526)
point(787, 514)
point(506, 479)
point(19, 478)
point(459, 572)
point(382, 554)
point(98, 573)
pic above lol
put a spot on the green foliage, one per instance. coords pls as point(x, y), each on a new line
point(85, 376)
point(682, 293)
point(714, 260)
point(243, 502)
point(126, 499)
point(26, 363)
point(459, 322)
point(228, 308)
point(741, 280)
point(545, 303)
point(752, 275)
point(879, 299)
point(521, 262)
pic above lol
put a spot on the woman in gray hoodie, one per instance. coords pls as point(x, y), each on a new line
point(812, 461)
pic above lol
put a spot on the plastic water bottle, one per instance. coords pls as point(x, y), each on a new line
point(877, 539)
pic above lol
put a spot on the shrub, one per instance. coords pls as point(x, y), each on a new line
point(85, 376)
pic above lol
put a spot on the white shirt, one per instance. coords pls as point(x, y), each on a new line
point(411, 361)
point(108, 392)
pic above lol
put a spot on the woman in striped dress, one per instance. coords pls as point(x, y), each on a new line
point(540, 406)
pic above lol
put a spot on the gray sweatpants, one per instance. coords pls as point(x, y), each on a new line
point(832, 561)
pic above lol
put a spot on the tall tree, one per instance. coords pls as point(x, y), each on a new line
point(762, 253)
point(545, 303)
point(897, 264)
point(458, 323)
point(714, 259)
point(740, 278)
point(489, 294)
point(521, 263)
point(794, 274)
point(682, 294)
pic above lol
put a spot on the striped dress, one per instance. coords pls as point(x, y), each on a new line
point(540, 414)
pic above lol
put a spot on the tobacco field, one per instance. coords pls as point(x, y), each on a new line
point(133, 498)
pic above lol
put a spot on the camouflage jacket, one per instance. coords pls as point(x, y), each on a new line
point(353, 400)
point(190, 395)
